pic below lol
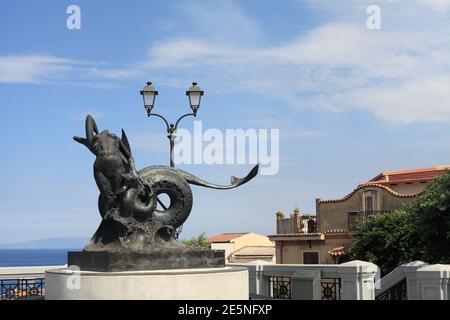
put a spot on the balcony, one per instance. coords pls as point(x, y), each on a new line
point(355, 217)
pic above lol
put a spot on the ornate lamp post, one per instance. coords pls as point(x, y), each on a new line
point(149, 94)
point(194, 94)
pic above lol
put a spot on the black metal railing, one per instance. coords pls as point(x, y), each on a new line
point(280, 287)
point(17, 289)
point(331, 288)
point(355, 217)
point(396, 292)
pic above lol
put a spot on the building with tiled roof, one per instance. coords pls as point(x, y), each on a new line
point(329, 236)
point(226, 237)
point(232, 243)
point(407, 181)
point(253, 253)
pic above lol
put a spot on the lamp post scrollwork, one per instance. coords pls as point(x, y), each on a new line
point(194, 94)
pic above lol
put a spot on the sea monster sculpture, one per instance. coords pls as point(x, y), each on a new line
point(128, 198)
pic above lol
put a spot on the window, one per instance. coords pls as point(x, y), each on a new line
point(311, 257)
point(369, 203)
point(312, 226)
point(353, 217)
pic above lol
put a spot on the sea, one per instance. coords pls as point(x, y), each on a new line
point(33, 257)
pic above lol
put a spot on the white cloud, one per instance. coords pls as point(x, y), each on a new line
point(33, 68)
point(426, 100)
point(395, 75)
point(223, 21)
point(81, 115)
point(440, 5)
point(398, 73)
point(115, 73)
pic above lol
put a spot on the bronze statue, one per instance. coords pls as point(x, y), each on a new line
point(128, 198)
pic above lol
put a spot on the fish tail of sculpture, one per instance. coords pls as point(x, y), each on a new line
point(235, 182)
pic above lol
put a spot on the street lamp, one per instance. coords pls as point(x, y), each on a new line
point(149, 94)
point(195, 94)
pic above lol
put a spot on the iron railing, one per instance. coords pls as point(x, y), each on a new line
point(396, 292)
point(331, 288)
point(280, 287)
point(18, 289)
point(355, 217)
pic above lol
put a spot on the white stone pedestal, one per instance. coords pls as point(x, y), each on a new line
point(178, 284)
point(434, 282)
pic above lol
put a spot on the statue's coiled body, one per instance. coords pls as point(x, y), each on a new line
point(127, 202)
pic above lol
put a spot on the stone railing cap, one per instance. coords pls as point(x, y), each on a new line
point(257, 262)
point(357, 263)
point(435, 267)
point(416, 263)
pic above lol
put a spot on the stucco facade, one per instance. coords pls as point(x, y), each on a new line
point(234, 242)
point(329, 238)
point(293, 252)
point(334, 214)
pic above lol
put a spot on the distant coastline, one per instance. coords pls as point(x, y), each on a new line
point(49, 243)
point(33, 257)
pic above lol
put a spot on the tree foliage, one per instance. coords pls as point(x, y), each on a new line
point(198, 241)
point(431, 222)
point(420, 231)
point(383, 239)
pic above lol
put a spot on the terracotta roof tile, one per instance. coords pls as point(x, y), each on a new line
point(372, 184)
point(299, 236)
point(226, 237)
point(398, 176)
point(411, 175)
point(339, 251)
point(336, 231)
point(295, 234)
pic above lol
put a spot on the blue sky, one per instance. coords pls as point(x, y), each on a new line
point(349, 102)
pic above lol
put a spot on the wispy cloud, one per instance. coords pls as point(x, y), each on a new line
point(425, 100)
point(222, 21)
point(50, 69)
point(440, 5)
point(33, 68)
point(81, 115)
point(398, 74)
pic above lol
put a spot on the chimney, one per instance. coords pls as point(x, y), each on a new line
point(280, 217)
point(296, 221)
point(318, 214)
